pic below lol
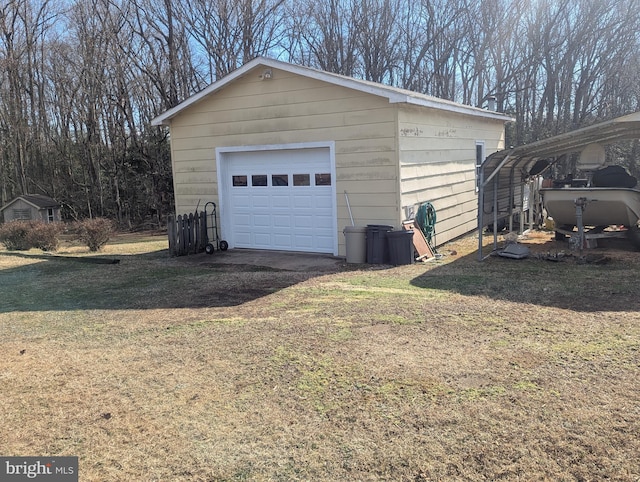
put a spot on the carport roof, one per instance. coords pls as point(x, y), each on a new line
point(394, 94)
point(625, 127)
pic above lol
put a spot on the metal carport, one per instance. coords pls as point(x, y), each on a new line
point(505, 176)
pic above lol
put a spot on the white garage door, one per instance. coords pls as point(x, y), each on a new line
point(279, 199)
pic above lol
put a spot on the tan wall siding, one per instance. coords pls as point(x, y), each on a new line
point(290, 109)
point(437, 164)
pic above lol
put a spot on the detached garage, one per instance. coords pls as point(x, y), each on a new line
point(285, 150)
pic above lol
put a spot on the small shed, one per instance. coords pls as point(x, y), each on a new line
point(36, 207)
point(290, 154)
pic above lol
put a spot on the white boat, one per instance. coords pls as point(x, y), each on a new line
point(601, 206)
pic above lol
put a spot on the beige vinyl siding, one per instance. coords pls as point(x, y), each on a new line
point(291, 109)
point(437, 164)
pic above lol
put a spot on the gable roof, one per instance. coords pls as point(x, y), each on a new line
point(393, 94)
point(38, 201)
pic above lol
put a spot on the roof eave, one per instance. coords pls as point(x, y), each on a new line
point(441, 104)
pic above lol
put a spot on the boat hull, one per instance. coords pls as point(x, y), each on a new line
point(604, 206)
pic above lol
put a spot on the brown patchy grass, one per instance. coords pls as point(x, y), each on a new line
point(163, 369)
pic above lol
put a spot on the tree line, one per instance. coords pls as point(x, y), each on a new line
point(80, 80)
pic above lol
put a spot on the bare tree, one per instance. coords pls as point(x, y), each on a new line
point(231, 32)
point(23, 28)
point(378, 39)
point(325, 37)
point(432, 44)
point(160, 49)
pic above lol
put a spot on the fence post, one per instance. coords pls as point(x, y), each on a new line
point(203, 231)
point(196, 232)
point(189, 233)
point(181, 237)
point(171, 232)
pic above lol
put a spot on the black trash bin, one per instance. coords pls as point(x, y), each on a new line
point(400, 247)
point(377, 247)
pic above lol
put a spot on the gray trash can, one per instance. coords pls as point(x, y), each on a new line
point(400, 247)
point(355, 238)
point(377, 248)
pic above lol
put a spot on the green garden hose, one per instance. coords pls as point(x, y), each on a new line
point(426, 219)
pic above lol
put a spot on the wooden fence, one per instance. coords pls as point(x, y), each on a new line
point(187, 233)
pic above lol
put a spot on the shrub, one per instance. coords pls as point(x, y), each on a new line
point(14, 235)
point(23, 235)
point(44, 235)
point(95, 232)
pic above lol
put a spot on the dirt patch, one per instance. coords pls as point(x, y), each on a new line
point(544, 242)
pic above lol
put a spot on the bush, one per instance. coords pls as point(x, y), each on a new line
point(24, 235)
point(44, 235)
point(95, 232)
point(15, 235)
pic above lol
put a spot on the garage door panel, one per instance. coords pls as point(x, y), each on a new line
point(242, 238)
point(304, 242)
point(242, 220)
point(302, 222)
point(259, 200)
point(303, 201)
point(324, 242)
point(262, 239)
point(281, 221)
point(323, 221)
point(282, 241)
point(323, 202)
point(241, 201)
point(261, 220)
point(281, 201)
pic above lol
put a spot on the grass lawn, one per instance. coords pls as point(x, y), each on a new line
point(171, 369)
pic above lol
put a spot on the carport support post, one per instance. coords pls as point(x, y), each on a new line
point(580, 203)
point(512, 195)
point(495, 213)
point(522, 210)
point(480, 210)
point(533, 194)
